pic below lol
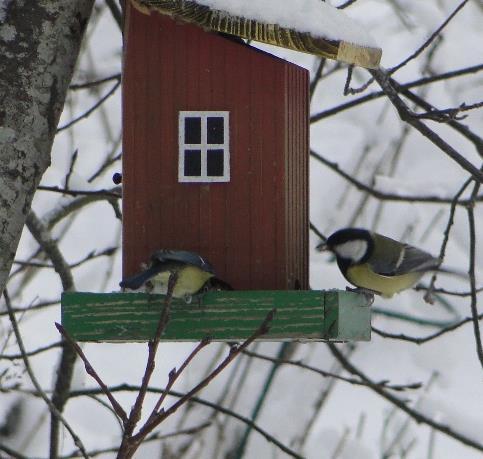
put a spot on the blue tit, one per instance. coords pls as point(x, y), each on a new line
point(377, 263)
point(193, 273)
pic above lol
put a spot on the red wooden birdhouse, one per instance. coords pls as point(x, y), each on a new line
point(215, 161)
point(215, 151)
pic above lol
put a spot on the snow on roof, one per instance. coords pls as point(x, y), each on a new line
point(312, 16)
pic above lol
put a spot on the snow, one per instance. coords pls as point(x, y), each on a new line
point(313, 16)
point(456, 396)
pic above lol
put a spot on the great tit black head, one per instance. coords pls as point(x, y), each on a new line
point(377, 263)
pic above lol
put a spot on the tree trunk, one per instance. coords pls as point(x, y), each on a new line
point(39, 44)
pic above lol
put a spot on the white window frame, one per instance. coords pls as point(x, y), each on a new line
point(204, 146)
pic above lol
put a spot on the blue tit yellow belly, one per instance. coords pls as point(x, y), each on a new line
point(190, 280)
point(363, 276)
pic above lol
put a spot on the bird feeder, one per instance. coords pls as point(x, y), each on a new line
point(215, 161)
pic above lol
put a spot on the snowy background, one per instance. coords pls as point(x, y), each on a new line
point(369, 142)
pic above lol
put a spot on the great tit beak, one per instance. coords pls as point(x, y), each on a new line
point(322, 246)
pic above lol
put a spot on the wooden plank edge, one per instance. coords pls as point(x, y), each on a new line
point(350, 313)
point(362, 56)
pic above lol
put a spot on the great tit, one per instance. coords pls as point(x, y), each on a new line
point(377, 263)
point(194, 274)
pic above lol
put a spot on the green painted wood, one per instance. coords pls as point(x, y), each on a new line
point(224, 316)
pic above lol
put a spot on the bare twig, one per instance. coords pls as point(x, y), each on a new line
point(325, 391)
point(448, 114)
point(286, 349)
point(90, 256)
point(174, 375)
point(33, 307)
point(91, 372)
point(471, 272)
point(317, 77)
point(402, 405)
point(347, 84)
point(421, 321)
point(200, 401)
point(73, 160)
point(50, 247)
point(90, 84)
point(37, 351)
point(92, 109)
point(155, 437)
point(444, 291)
point(425, 339)
point(130, 443)
point(234, 352)
point(384, 81)
point(109, 161)
point(73, 205)
point(346, 4)
point(102, 193)
point(12, 453)
point(387, 196)
point(317, 232)
point(327, 374)
point(68, 357)
point(456, 125)
point(429, 40)
point(116, 12)
point(401, 87)
point(447, 230)
point(52, 407)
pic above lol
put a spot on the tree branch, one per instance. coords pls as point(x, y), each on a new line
point(401, 87)
point(425, 339)
point(36, 69)
point(52, 407)
point(388, 196)
point(68, 356)
point(402, 405)
point(91, 372)
point(405, 114)
point(200, 401)
point(92, 109)
point(471, 272)
point(430, 39)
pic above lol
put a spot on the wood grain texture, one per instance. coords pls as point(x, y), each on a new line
point(223, 316)
point(252, 229)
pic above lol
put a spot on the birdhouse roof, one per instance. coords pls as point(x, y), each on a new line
point(310, 26)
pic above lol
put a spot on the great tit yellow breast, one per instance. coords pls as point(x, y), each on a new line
point(363, 276)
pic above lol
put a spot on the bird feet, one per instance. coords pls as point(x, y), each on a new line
point(188, 299)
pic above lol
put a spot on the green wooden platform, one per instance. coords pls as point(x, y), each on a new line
point(224, 316)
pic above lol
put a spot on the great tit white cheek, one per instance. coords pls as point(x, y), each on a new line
point(352, 250)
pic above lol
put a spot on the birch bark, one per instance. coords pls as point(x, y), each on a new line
point(39, 44)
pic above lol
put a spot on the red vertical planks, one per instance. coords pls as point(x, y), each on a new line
point(252, 228)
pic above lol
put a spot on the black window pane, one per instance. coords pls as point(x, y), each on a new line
point(192, 130)
point(214, 164)
point(215, 130)
point(192, 163)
